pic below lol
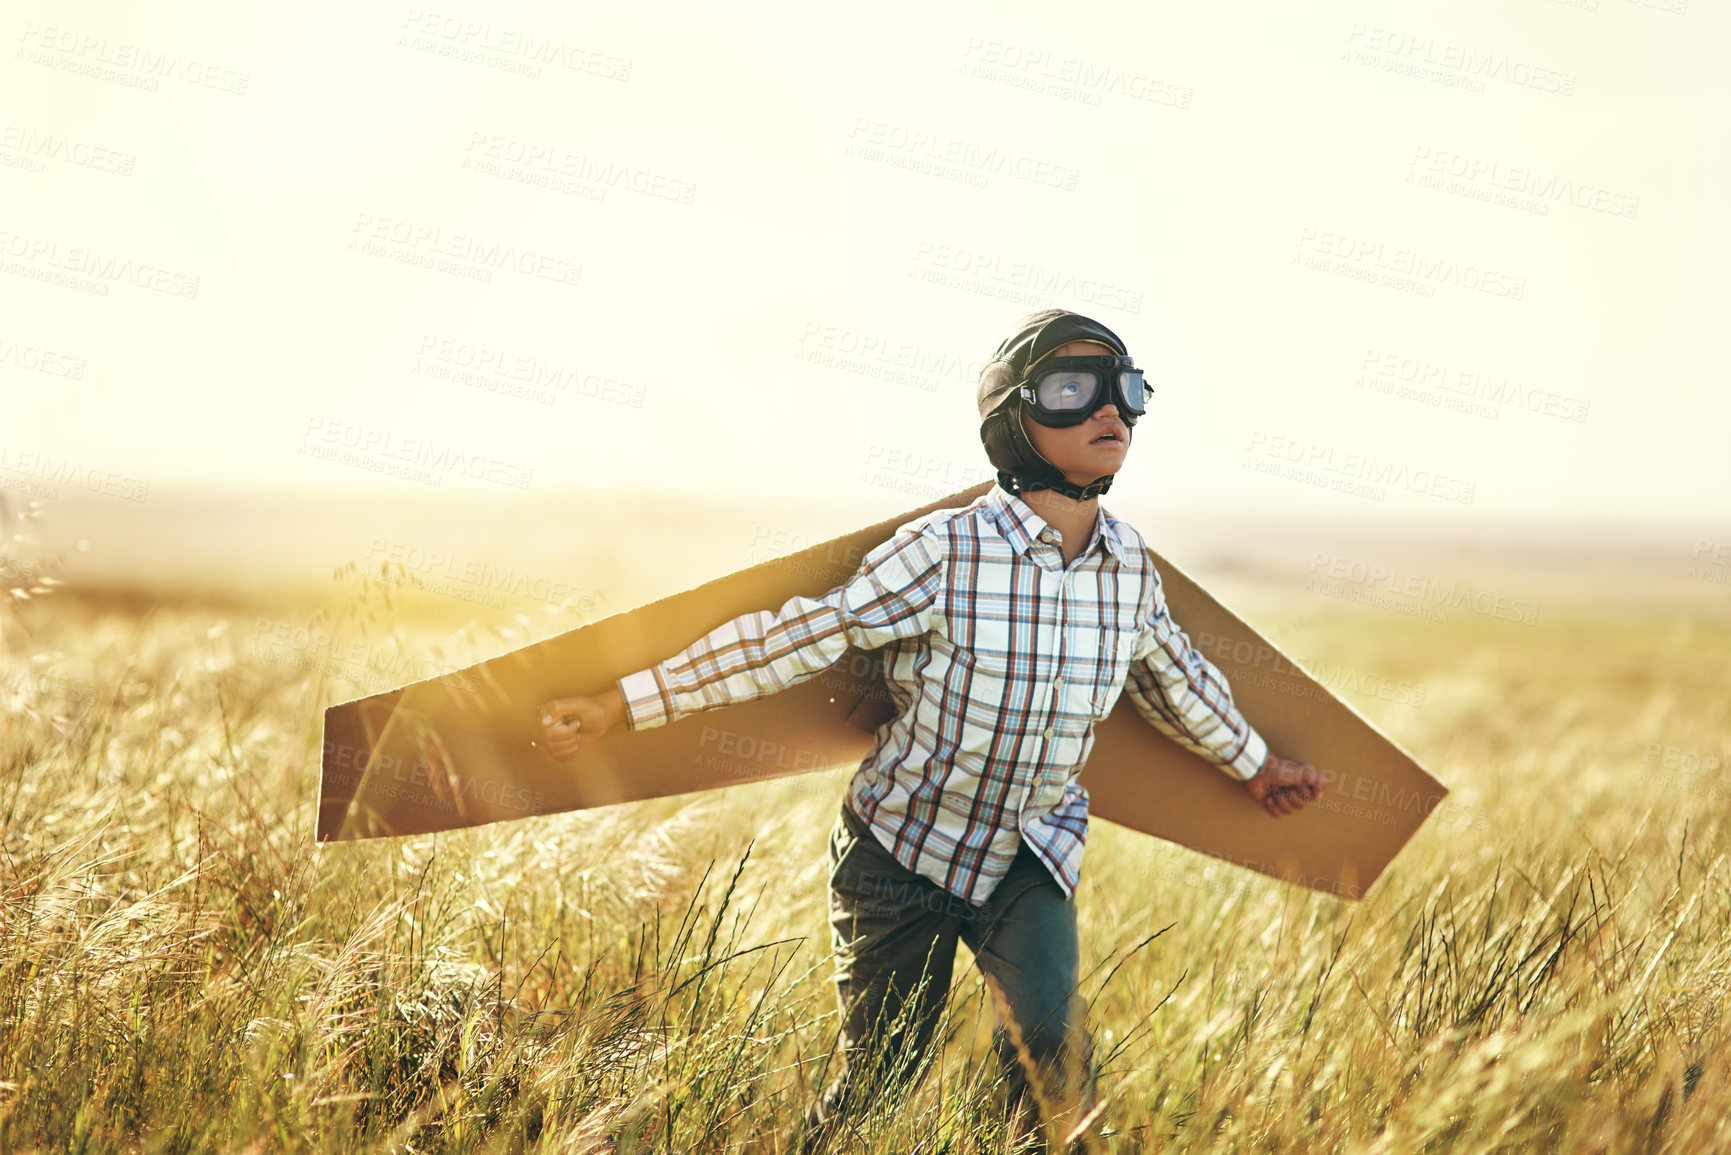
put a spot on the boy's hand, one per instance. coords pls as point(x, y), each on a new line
point(1285, 786)
point(566, 723)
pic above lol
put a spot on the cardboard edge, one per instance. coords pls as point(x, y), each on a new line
point(505, 819)
point(319, 834)
point(1308, 676)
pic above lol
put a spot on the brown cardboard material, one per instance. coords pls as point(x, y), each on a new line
point(456, 750)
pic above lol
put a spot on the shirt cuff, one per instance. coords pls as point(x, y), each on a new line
point(1249, 763)
point(647, 702)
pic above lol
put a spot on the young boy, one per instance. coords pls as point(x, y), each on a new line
point(1008, 629)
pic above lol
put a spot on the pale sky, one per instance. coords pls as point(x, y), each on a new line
point(1470, 257)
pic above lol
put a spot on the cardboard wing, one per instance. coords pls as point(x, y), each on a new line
point(457, 750)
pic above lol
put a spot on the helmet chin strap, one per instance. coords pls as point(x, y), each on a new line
point(1013, 484)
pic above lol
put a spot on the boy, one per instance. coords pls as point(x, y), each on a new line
point(1008, 629)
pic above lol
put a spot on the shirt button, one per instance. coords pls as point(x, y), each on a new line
point(1047, 733)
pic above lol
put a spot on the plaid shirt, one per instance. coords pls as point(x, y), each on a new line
point(999, 659)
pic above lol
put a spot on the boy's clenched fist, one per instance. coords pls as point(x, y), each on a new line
point(566, 723)
point(1285, 786)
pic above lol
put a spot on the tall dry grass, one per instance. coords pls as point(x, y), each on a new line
point(1545, 967)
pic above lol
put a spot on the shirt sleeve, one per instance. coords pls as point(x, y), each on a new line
point(894, 595)
point(1182, 695)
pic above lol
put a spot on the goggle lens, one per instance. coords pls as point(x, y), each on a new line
point(1067, 391)
point(1134, 390)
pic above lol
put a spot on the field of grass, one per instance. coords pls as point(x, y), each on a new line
point(1546, 966)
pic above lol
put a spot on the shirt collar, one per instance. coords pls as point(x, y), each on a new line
point(1020, 525)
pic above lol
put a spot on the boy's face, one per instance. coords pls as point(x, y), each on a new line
point(1092, 449)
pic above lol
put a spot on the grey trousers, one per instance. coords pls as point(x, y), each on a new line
point(892, 928)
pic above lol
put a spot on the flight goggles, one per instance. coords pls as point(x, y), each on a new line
point(1065, 391)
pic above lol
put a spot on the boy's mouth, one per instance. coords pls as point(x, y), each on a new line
point(1110, 437)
